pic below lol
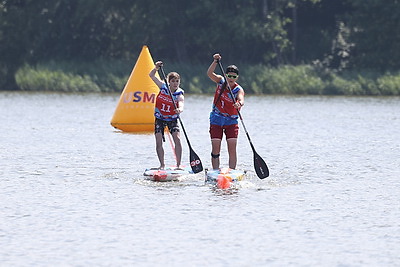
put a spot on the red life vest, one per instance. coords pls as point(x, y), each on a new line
point(224, 104)
point(164, 108)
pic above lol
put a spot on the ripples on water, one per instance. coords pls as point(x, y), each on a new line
point(72, 190)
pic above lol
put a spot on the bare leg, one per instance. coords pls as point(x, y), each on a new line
point(232, 152)
point(216, 149)
point(160, 149)
point(178, 148)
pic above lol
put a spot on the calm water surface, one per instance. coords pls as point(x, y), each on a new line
point(72, 191)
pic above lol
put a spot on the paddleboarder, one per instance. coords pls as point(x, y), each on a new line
point(224, 115)
point(165, 113)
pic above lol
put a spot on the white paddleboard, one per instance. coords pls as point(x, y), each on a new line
point(167, 174)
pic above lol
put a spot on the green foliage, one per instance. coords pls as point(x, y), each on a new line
point(341, 86)
point(45, 80)
point(255, 79)
point(369, 85)
point(340, 35)
point(374, 26)
point(389, 84)
point(109, 75)
point(193, 77)
point(285, 80)
point(37, 31)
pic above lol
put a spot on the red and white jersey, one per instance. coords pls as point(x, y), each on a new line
point(223, 104)
point(165, 109)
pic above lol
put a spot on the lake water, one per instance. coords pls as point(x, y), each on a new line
point(73, 193)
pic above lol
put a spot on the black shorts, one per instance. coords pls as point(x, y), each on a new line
point(159, 126)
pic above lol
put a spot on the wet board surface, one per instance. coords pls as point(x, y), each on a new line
point(167, 174)
point(224, 177)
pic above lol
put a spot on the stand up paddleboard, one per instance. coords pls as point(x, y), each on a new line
point(168, 174)
point(224, 178)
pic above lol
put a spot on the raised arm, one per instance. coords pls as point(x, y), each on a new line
point(210, 72)
point(152, 74)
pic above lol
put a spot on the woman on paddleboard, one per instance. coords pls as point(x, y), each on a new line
point(224, 115)
point(165, 113)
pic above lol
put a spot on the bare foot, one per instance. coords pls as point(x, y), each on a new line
point(159, 168)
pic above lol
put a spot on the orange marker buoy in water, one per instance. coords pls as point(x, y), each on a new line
point(135, 109)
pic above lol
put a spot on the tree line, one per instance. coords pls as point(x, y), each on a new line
point(336, 35)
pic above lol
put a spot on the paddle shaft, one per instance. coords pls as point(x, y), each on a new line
point(173, 102)
point(260, 165)
point(195, 161)
point(233, 98)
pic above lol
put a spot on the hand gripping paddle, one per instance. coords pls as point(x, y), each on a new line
point(195, 162)
point(260, 166)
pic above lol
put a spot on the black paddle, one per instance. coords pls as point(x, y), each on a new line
point(259, 164)
point(195, 161)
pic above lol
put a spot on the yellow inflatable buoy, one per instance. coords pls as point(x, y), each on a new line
point(135, 109)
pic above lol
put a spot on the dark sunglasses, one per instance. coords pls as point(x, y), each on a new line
point(231, 76)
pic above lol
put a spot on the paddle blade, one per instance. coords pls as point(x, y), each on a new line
point(260, 166)
point(195, 162)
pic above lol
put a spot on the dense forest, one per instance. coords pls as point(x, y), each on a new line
point(329, 44)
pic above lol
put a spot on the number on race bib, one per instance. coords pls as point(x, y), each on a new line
point(166, 108)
